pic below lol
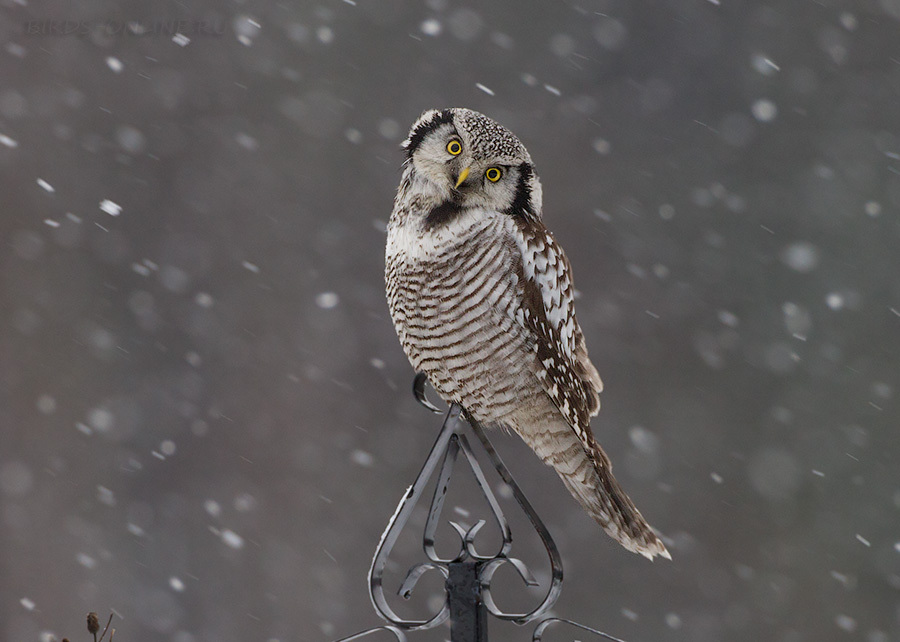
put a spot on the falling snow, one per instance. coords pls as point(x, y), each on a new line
point(801, 256)
point(246, 29)
point(111, 208)
point(873, 209)
point(232, 539)
point(834, 300)
point(764, 65)
point(431, 27)
point(106, 496)
point(362, 458)
point(327, 300)
point(354, 136)
point(205, 406)
point(764, 110)
point(46, 404)
point(602, 146)
point(204, 300)
point(845, 623)
point(6, 141)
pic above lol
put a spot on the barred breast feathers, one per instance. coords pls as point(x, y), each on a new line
point(547, 312)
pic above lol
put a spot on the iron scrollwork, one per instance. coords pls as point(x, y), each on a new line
point(468, 567)
point(452, 441)
point(398, 633)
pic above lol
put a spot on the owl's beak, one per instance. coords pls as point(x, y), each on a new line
point(463, 175)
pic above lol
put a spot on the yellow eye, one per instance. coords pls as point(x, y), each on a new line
point(454, 147)
point(493, 174)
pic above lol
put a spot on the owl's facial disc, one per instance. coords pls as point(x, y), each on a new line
point(464, 159)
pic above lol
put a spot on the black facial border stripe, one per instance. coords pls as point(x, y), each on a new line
point(521, 205)
point(415, 139)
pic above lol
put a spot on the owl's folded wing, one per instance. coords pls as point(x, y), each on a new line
point(548, 314)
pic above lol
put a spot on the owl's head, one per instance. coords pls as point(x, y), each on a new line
point(471, 161)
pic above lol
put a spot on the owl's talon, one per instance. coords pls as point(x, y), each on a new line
point(419, 393)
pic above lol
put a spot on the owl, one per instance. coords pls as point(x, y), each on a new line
point(481, 296)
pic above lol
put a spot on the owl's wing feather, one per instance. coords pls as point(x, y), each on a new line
point(572, 383)
point(583, 364)
point(548, 314)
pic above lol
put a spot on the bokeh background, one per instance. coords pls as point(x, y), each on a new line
point(205, 416)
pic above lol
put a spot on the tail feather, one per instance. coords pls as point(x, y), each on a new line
point(588, 476)
point(603, 499)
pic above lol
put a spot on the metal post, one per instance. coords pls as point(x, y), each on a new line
point(468, 615)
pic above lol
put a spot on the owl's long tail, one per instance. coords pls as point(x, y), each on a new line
point(587, 473)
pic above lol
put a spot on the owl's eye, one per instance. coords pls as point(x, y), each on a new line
point(454, 147)
point(493, 174)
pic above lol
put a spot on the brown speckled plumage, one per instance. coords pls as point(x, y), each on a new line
point(482, 299)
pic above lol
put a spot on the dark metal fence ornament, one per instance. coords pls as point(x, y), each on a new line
point(469, 572)
point(540, 628)
point(398, 633)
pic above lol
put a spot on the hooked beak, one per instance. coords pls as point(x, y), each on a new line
point(463, 175)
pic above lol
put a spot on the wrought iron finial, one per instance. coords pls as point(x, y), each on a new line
point(450, 442)
point(469, 571)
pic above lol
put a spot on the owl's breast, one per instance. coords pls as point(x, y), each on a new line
point(453, 293)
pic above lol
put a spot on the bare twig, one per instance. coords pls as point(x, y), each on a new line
point(105, 630)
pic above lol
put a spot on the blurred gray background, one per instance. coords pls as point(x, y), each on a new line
point(205, 416)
